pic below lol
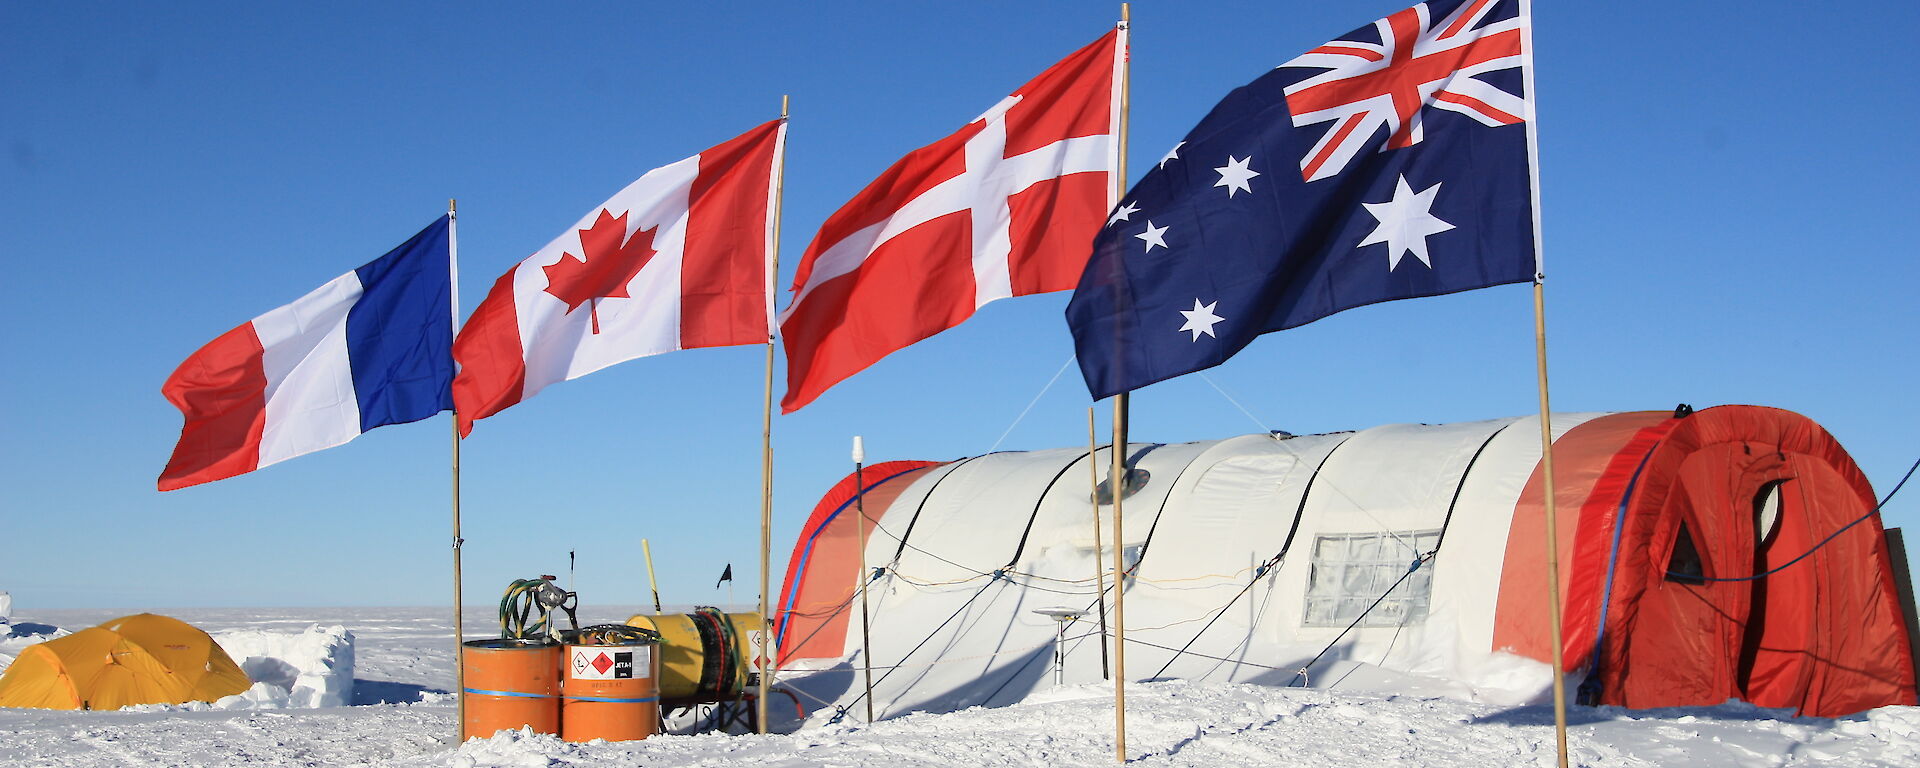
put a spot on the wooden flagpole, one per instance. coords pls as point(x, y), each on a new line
point(767, 649)
point(1116, 484)
point(1553, 532)
point(459, 631)
point(1548, 488)
point(1116, 479)
point(1099, 568)
point(861, 580)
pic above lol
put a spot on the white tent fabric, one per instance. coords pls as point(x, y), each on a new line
point(968, 553)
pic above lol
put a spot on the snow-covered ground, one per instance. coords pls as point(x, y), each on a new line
point(402, 716)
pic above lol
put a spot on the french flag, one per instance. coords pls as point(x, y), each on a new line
point(370, 348)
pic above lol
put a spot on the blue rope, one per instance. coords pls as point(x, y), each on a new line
point(613, 701)
point(510, 693)
point(1816, 547)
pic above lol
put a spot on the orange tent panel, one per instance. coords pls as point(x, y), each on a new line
point(141, 659)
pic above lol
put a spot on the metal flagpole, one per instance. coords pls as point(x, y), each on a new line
point(459, 631)
point(860, 583)
point(767, 648)
point(1116, 480)
point(1546, 410)
point(1099, 569)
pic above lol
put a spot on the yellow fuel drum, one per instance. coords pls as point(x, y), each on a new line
point(704, 655)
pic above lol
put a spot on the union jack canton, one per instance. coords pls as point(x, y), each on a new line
point(1414, 178)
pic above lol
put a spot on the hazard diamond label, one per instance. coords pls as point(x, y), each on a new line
point(601, 663)
point(758, 644)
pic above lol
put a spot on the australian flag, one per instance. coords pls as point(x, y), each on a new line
point(1391, 163)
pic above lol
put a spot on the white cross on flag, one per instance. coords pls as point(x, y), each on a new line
point(1007, 206)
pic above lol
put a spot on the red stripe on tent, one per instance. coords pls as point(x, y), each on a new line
point(493, 368)
point(221, 389)
point(723, 283)
point(1585, 577)
point(811, 615)
point(1591, 469)
point(1825, 636)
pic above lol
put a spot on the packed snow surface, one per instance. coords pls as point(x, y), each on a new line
point(402, 716)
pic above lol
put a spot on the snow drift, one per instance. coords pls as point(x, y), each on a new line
point(304, 670)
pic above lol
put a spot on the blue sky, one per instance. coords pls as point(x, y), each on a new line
point(1724, 195)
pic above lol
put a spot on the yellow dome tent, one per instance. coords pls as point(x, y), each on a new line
point(142, 659)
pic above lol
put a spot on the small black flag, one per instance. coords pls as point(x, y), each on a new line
point(725, 576)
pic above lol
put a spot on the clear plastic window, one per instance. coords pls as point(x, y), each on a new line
point(1352, 570)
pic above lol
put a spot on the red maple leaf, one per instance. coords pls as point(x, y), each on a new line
point(607, 267)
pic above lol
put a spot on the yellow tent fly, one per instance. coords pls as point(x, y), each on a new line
point(142, 659)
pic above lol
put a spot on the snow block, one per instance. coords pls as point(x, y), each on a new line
point(313, 668)
point(15, 637)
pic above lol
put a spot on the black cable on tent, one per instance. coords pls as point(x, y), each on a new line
point(1037, 503)
point(1422, 560)
point(1164, 498)
point(1462, 486)
point(1005, 575)
point(916, 648)
point(1445, 523)
point(1823, 542)
point(904, 535)
point(1205, 656)
point(1299, 511)
point(837, 610)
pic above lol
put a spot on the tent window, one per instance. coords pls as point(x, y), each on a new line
point(1766, 511)
point(1351, 570)
point(1684, 565)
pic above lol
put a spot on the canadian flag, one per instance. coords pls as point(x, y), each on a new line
point(676, 260)
point(1007, 206)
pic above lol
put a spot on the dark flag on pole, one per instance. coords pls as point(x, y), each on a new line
point(725, 576)
point(1392, 163)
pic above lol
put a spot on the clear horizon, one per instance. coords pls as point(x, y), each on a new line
point(1721, 225)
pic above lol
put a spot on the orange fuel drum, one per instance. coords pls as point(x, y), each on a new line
point(511, 684)
point(611, 692)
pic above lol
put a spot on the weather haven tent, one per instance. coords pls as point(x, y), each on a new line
point(143, 659)
point(1274, 559)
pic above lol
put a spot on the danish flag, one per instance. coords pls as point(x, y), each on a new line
point(1007, 206)
point(1417, 64)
